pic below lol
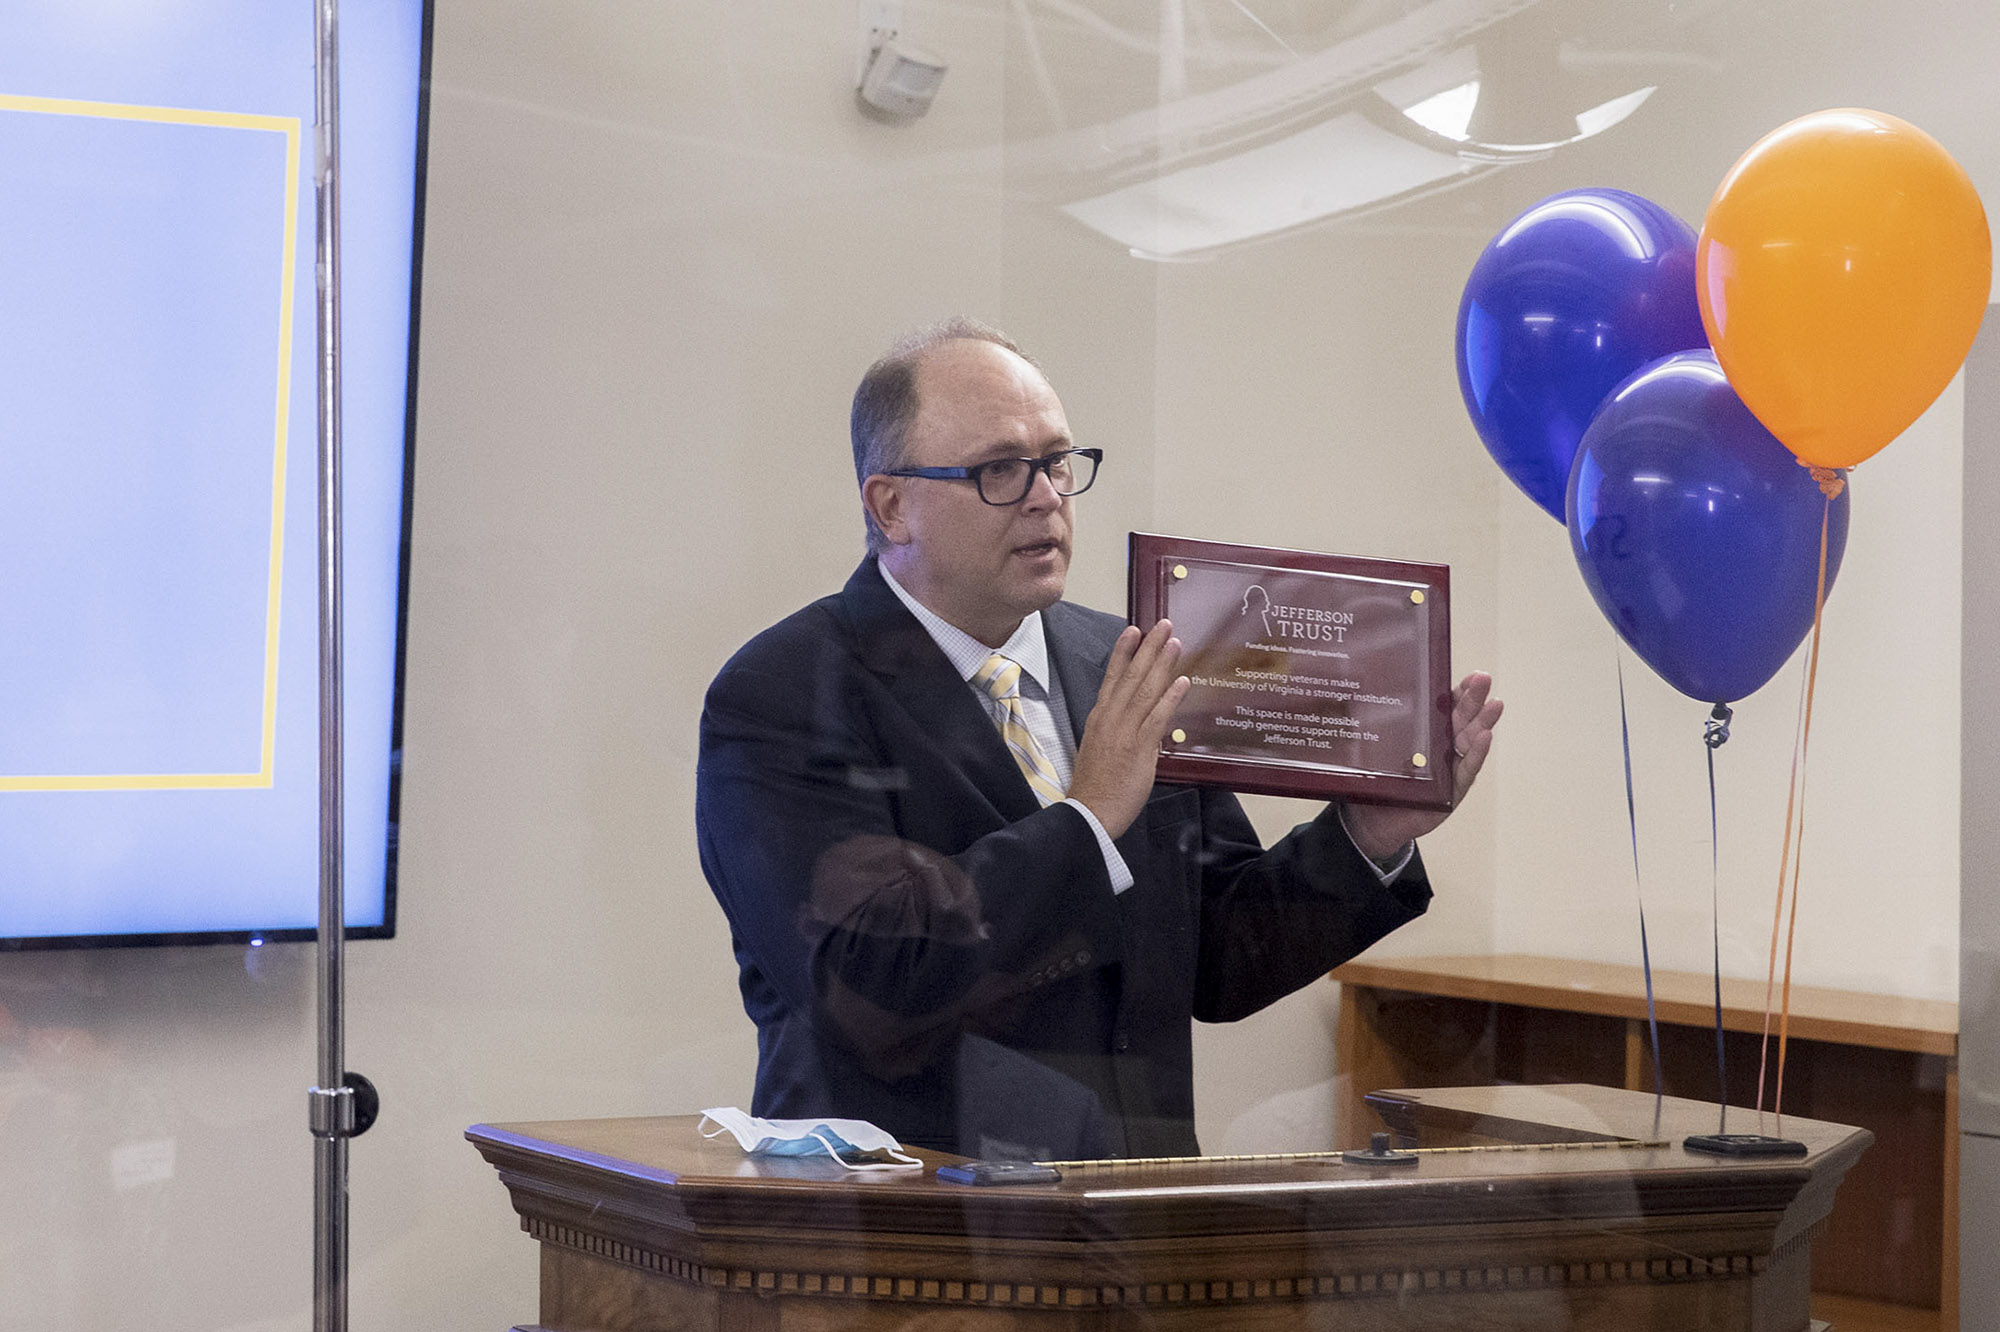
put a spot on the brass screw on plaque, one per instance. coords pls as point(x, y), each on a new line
point(1180, 736)
point(1180, 571)
point(1418, 760)
point(1417, 597)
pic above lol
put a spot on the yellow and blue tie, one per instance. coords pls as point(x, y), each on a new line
point(1001, 679)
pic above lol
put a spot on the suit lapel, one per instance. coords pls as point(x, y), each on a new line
point(895, 647)
point(1078, 653)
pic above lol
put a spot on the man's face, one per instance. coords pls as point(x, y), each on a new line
point(983, 567)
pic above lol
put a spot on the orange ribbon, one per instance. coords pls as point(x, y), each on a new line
point(1830, 484)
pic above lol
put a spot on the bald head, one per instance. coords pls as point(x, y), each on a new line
point(982, 563)
point(889, 396)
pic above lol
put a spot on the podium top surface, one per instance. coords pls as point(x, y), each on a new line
point(1687, 998)
point(1571, 1150)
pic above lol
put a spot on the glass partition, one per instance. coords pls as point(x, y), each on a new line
point(663, 244)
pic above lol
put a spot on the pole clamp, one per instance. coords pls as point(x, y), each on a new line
point(346, 1111)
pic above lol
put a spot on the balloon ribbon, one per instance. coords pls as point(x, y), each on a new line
point(1714, 735)
point(1645, 953)
point(1830, 484)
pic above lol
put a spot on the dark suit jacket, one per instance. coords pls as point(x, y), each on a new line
point(924, 946)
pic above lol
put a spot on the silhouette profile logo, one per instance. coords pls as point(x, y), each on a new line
point(1258, 597)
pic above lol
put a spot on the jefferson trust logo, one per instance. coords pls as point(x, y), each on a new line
point(1295, 623)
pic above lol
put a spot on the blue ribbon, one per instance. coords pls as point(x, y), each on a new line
point(1715, 734)
point(1645, 952)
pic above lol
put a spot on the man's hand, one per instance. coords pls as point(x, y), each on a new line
point(1380, 831)
point(1121, 738)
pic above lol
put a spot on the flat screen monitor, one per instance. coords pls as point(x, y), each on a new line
point(159, 660)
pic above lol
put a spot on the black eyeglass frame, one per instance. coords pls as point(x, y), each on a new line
point(977, 473)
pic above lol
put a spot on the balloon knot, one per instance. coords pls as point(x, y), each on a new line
point(1715, 731)
point(1831, 482)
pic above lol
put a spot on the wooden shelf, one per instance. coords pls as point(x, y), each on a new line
point(1884, 1063)
point(1686, 998)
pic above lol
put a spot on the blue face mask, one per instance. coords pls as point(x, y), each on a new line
point(836, 1138)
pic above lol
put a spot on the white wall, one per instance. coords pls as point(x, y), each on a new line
point(662, 246)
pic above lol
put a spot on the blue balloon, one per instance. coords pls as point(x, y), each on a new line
point(1698, 533)
point(1576, 294)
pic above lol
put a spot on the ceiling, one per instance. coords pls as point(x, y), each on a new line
point(1186, 127)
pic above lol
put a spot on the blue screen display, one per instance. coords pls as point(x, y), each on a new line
point(159, 706)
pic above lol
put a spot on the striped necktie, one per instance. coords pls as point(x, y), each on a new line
point(1001, 679)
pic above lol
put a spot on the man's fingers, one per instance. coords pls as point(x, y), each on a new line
point(1473, 743)
point(1162, 713)
point(1479, 726)
point(1469, 699)
point(1121, 742)
point(1164, 665)
point(1128, 642)
point(1158, 641)
point(1472, 710)
point(1160, 693)
point(1139, 678)
point(1142, 686)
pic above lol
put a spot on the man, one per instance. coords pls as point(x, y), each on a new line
point(962, 908)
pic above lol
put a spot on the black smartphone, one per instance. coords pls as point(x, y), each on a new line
point(998, 1172)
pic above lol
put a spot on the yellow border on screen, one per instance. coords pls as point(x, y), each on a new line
point(289, 127)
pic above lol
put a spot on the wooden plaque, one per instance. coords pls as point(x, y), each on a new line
point(1325, 676)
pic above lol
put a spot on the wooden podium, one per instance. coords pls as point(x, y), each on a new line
point(1529, 1208)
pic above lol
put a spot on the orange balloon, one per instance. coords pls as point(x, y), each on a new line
point(1843, 269)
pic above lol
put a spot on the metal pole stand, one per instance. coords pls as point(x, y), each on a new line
point(343, 1104)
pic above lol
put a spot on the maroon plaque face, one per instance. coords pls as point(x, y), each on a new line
point(1314, 675)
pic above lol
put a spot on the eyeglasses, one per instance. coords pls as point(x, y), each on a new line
point(1005, 481)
